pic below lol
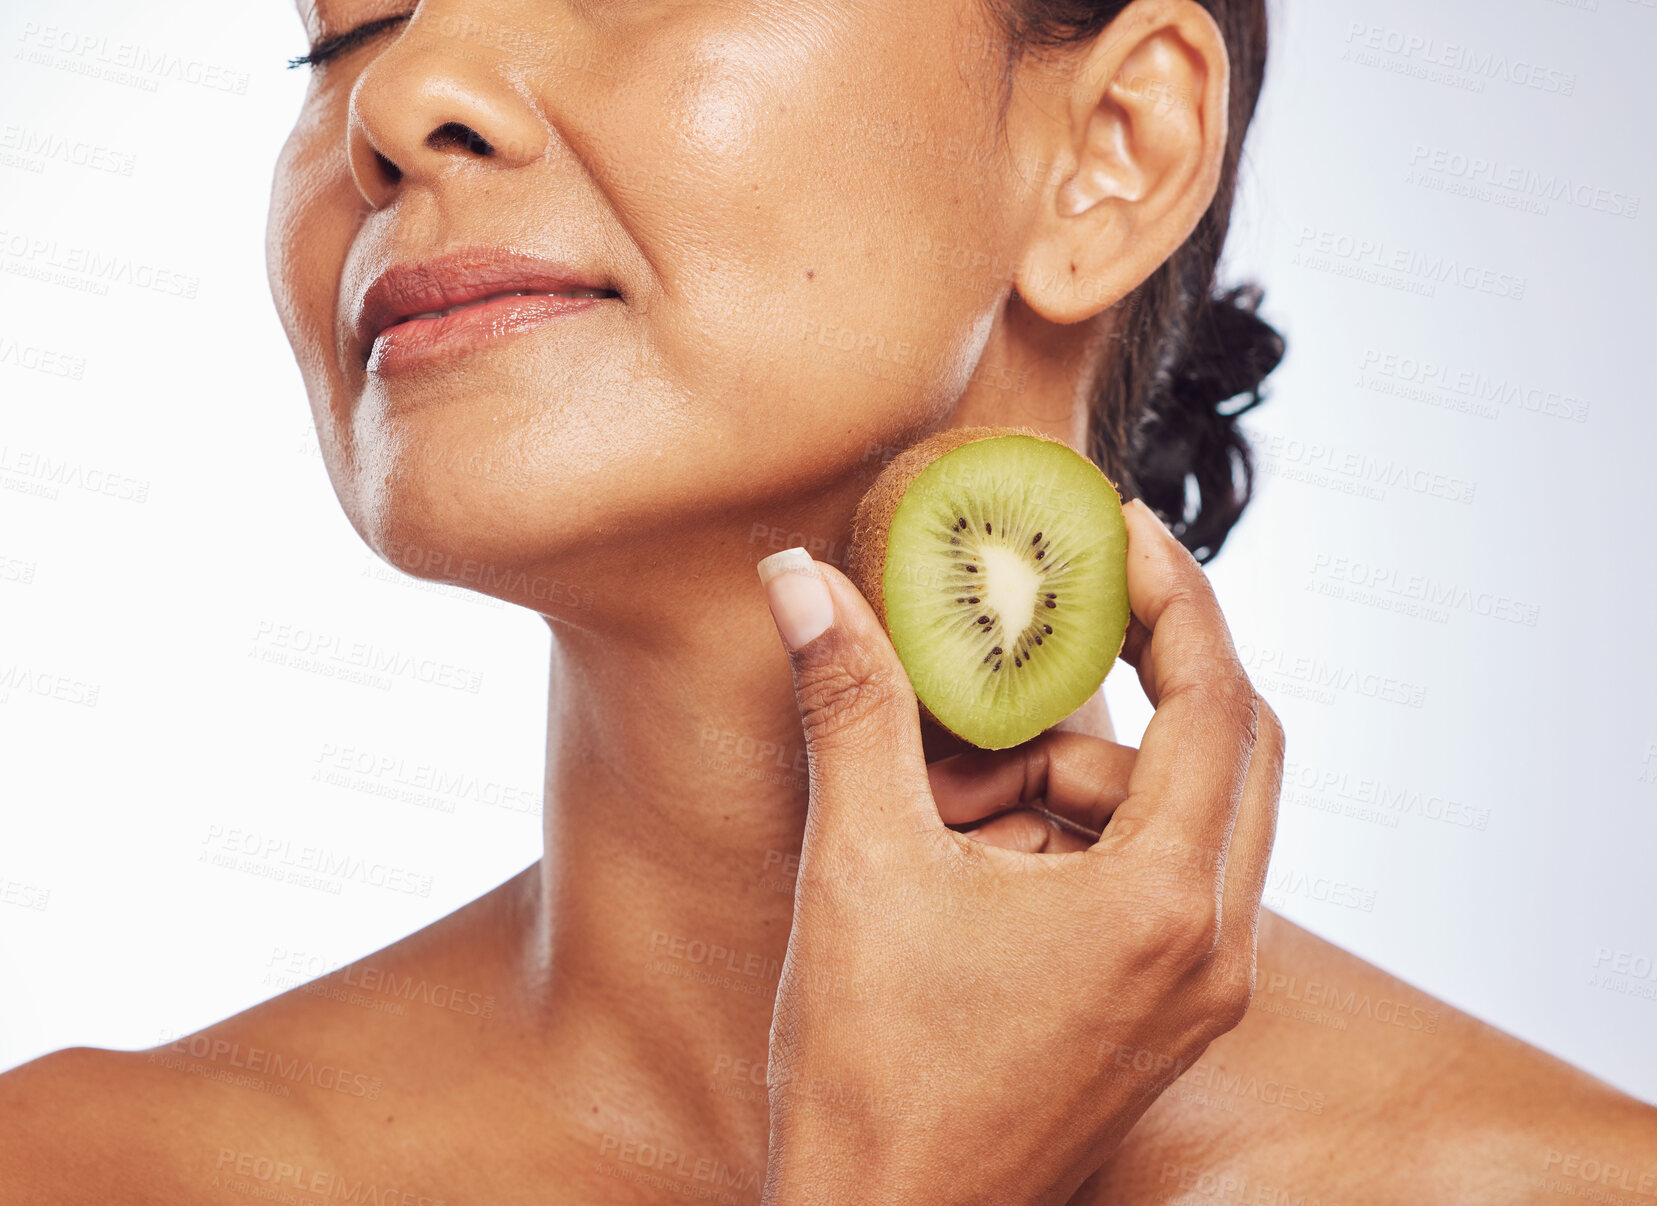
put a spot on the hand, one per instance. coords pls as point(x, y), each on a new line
point(963, 1020)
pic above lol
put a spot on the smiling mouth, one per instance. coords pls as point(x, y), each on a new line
point(430, 339)
point(432, 312)
point(495, 297)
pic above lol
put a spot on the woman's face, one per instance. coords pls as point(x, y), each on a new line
point(788, 227)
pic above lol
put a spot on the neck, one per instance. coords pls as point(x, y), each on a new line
point(675, 806)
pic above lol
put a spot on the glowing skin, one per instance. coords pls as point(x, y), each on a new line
point(794, 237)
point(704, 161)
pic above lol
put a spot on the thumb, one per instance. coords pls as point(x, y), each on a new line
point(858, 709)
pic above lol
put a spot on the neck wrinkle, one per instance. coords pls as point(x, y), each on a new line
point(674, 811)
point(675, 804)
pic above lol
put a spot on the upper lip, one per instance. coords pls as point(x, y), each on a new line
point(458, 277)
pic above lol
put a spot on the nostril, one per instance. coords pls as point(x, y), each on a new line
point(454, 134)
point(388, 169)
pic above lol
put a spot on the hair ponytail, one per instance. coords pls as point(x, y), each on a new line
point(1188, 458)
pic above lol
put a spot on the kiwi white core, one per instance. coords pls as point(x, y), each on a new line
point(1010, 586)
point(1005, 586)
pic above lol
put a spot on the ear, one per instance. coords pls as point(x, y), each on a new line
point(1136, 143)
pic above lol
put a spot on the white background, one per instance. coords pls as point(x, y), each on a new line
point(1472, 796)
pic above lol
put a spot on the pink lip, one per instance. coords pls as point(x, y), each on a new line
point(397, 326)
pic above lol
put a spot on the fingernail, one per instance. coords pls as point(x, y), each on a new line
point(799, 598)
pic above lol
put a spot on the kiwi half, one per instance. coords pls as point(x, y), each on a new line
point(996, 558)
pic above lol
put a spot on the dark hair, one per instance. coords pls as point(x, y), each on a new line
point(1160, 426)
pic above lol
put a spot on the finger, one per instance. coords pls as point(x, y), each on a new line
point(1032, 831)
point(1136, 651)
point(857, 708)
point(1186, 784)
point(1251, 839)
point(1080, 777)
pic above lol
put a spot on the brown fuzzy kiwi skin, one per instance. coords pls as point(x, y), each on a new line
point(872, 522)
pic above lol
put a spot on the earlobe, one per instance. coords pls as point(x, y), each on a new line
point(1138, 150)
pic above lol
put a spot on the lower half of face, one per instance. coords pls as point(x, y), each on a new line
point(792, 214)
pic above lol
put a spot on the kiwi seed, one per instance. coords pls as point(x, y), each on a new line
point(1051, 525)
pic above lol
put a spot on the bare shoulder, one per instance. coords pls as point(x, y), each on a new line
point(313, 1092)
point(1345, 1084)
point(91, 1125)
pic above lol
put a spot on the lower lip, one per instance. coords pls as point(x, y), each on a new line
point(429, 341)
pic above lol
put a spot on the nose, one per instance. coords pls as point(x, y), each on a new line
point(420, 110)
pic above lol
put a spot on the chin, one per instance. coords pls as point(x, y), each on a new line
point(436, 501)
point(451, 543)
point(529, 512)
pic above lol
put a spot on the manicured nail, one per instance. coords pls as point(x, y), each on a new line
point(799, 598)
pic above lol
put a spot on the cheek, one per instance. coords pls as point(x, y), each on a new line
point(786, 184)
point(776, 187)
point(313, 217)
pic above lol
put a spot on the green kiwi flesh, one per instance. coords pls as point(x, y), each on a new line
point(1004, 585)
